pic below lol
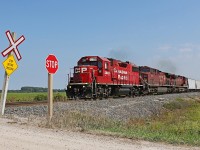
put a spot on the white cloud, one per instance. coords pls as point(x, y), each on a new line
point(189, 47)
point(185, 49)
point(180, 59)
point(165, 48)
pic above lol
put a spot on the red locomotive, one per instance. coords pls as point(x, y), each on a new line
point(100, 77)
point(96, 76)
point(156, 81)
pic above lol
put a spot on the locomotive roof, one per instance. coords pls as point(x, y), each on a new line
point(167, 73)
point(104, 58)
point(119, 61)
point(112, 59)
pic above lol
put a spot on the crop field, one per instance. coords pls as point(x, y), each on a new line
point(35, 96)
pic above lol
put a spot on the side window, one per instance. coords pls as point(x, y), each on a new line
point(106, 66)
point(152, 71)
point(99, 64)
point(135, 69)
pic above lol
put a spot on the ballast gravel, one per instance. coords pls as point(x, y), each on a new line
point(117, 109)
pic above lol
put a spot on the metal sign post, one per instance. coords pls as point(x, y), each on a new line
point(4, 93)
point(5, 86)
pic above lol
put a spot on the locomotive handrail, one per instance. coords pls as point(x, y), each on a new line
point(143, 80)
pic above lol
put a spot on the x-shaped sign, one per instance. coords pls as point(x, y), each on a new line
point(13, 46)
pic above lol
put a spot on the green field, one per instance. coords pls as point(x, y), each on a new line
point(35, 96)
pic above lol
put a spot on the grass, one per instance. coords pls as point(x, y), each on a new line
point(37, 96)
point(179, 123)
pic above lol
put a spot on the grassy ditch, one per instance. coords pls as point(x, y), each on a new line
point(178, 123)
point(34, 96)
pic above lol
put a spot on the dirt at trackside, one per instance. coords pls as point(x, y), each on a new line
point(20, 135)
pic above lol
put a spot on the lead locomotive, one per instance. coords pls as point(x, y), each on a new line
point(100, 77)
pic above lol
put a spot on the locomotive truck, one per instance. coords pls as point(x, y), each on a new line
point(100, 77)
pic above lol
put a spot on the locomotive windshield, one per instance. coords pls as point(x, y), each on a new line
point(88, 63)
point(92, 61)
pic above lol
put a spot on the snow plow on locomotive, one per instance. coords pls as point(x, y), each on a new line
point(100, 77)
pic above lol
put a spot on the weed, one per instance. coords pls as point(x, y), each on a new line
point(40, 97)
point(179, 104)
point(178, 124)
point(59, 97)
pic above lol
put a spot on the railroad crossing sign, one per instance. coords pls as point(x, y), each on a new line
point(10, 65)
point(13, 46)
point(51, 64)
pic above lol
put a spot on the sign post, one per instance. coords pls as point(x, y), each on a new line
point(10, 65)
point(52, 67)
point(50, 96)
point(4, 93)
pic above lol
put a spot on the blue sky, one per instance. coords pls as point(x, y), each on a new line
point(161, 34)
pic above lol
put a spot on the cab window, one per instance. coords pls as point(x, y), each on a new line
point(106, 65)
point(135, 69)
point(99, 64)
point(144, 69)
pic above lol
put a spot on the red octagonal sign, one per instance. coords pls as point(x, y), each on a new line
point(51, 64)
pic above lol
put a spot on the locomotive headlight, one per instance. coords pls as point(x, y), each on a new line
point(83, 86)
point(70, 87)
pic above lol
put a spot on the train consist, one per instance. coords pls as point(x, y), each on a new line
point(100, 77)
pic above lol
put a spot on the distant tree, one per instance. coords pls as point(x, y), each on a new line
point(33, 89)
point(37, 89)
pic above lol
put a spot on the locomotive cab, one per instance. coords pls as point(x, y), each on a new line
point(90, 70)
point(86, 70)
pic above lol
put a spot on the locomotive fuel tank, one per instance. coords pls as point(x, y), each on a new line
point(162, 90)
point(123, 90)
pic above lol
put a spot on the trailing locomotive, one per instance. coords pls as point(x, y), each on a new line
point(100, 77)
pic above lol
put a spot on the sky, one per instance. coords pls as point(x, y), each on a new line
point(160, 34)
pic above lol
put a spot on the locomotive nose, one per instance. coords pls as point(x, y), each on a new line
point(83, 74)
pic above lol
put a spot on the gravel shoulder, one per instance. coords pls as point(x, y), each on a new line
point(19, 136)
point(118, 109)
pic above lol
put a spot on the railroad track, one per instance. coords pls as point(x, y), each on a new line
point(10, 104)
point(13, 104)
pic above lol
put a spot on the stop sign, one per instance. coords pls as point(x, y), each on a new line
point(51, 64)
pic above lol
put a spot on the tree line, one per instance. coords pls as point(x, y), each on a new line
point(29, 89)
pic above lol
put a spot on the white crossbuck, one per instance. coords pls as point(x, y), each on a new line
point(13, 46)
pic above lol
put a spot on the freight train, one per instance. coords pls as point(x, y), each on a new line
point(100, 77)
